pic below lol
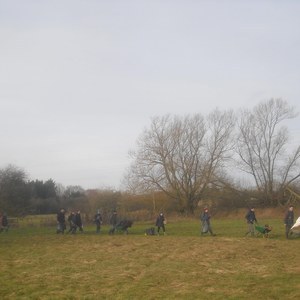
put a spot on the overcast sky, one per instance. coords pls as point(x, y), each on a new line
point(80, 80)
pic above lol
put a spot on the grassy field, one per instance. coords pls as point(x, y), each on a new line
point(35, 263)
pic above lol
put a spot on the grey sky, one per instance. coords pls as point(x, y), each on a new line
point(79, 80)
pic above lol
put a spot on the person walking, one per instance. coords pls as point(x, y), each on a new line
point(113, 221)
point(160, 223)
point(61, 221)
point(205, 222)
point(4, 223)
point(78, 221)
point(251, 219)
point(72, 222)
point(289, 221)
point(98, 221)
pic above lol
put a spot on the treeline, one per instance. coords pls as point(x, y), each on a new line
point(20, 197)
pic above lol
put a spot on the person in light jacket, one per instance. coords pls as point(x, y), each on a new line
point(205, 222)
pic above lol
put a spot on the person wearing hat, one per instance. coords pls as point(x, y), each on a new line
point(251, 219)
point(205, 222)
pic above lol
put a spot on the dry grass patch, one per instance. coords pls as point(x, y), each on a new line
point(42, 265)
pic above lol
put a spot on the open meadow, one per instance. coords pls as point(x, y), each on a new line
point(36, 263)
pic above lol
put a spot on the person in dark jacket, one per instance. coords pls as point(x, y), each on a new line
point(123, 225)
point(61, 221)
point(289, 221)
point(72, 223)
point(160, 223)
point(78, 221)
point(98, 221)
point(4, 223)
point(113, 221)
point(205, 222)
point(251, 219)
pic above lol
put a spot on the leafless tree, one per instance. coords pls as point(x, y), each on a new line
point(182, 155)
point(262, 148)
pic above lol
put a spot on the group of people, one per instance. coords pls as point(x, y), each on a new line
point(288, 222)
point(3, 222)
point(113, 221)
point(75, 222)
point(251, 221)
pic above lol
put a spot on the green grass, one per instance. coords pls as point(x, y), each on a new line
point(35, 263)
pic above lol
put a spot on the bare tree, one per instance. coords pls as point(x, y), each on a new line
point(262, 145)
point(182, 155)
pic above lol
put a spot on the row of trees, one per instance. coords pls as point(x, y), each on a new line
point(185, 157)
point(181, 163)
point(20, 196)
